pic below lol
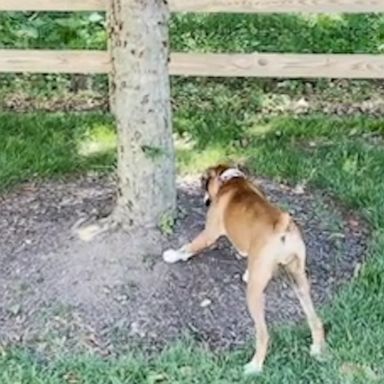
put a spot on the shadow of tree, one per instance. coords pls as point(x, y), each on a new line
point(48, 144)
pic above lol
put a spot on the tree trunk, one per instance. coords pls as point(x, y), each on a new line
point(146, 157)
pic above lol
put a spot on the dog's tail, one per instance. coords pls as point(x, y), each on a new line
point(283, 223)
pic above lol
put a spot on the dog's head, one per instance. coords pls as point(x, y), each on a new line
point(213, 178)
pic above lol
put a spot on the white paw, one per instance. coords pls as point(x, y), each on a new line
point(173, 256)
point(252, 368)
point(317, 351)
point(245, 276)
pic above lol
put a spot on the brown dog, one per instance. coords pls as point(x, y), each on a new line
point(263, 233)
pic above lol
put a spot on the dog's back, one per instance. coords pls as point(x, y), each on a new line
point(249, 219)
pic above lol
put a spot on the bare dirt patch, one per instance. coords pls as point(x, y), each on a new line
point(340, 98)
point(61, 294)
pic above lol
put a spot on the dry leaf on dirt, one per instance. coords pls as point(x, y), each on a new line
point(299, 189)
point(205, 303)
point(353, 223)
point(72, 378)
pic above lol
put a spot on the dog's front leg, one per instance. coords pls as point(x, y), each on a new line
point(201, 242)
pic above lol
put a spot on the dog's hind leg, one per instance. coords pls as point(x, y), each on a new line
point(302, 288)
point(260, 273)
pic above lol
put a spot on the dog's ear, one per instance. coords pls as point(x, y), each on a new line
point(212, 173)
point(242, 168)
point(239, 164)
point(219, 169)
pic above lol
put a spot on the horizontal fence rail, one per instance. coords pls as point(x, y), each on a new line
point(41, 61)
point(232, 6)
point(53, 5)
point(282, 65)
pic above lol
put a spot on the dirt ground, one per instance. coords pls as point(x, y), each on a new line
point(59, 293)
point(313, 101)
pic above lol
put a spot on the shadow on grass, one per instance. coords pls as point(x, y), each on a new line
point(46, 145)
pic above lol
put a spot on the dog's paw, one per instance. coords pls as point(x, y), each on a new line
point(318, 351)
point(252, 369)
point(174, 255)
point(245, 276)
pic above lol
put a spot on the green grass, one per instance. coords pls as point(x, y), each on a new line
point(42, 145)
point(205, 32)
point(278, 33)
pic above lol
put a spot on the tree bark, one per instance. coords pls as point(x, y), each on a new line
point(146, 157)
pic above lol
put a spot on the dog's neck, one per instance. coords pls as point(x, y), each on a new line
point(231, 173)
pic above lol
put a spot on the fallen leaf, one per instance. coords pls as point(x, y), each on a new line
point(336, 235)
point(3, 352)
point(353, 223)
point(72, 378)
point(357, 270)
point(205, 303)
point(156, 378)
point(186, 371)
point(244, 142)
point(352, 369)
point(299, 189)
point(15, 309)
point(302, 105)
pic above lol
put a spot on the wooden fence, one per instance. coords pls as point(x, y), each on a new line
point(357, 66)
